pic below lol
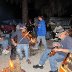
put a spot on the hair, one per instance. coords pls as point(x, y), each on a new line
point(70, 32)
point(41, 17)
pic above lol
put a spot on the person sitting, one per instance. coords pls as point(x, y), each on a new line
point(65, 47)
point(57, 28)
point(4, 44)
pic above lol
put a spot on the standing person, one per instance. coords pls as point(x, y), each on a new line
point(49, 30)
point(41, 32)
point(22, 43)
point(35, 24)
point(13, 49)
point(65, 47)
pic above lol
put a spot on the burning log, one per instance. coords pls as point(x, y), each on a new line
point(14, 66)
point(7, 69)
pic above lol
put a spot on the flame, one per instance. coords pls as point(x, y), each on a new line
point(11, 64)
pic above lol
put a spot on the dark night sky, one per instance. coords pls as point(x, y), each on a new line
point(8, 10)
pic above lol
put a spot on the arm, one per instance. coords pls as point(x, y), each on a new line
point(62, 50)
point(65, 50)
point(68, 47)
point(12, 38)
point(13, 42)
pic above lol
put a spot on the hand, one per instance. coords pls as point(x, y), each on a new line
point(15, 44)
point(56, 50)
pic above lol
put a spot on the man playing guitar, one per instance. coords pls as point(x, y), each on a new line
point(60, 53)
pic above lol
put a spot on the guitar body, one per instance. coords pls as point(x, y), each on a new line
point(66, 65)
point(61, 69)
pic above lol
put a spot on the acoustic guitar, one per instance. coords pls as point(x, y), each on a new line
point(66, 65)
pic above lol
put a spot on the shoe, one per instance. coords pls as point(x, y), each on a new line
point(54, 71)
point(37, 66)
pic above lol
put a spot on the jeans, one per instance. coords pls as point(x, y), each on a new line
point(20, 48)
point(4, 44)
point(43, 41)
point(53, 60)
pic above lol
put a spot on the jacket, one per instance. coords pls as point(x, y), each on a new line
point(41, 30)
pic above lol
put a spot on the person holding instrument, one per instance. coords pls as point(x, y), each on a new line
point(65, 47)
point(22, 43)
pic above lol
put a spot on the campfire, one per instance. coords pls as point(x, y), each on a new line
point(14, 66)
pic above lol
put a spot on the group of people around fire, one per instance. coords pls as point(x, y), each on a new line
point(23, 41)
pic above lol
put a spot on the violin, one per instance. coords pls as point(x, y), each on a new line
point(52, 53)
point(26, 34)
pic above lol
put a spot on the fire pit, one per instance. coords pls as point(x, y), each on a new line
point(14, 66)
point(7, 69)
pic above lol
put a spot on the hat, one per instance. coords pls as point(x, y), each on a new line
point(22, 26)
point(59, 32)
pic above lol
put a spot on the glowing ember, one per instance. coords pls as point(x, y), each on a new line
point(11, 64)
point(14, 66)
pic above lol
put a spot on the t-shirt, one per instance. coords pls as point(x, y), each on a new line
point(20, 39)
point(66, 44)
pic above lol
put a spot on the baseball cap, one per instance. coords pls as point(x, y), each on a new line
point(22, 26)
point(59, 32)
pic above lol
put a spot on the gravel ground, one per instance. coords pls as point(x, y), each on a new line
point(4, 62)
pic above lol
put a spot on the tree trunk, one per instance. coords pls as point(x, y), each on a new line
point(24, 11)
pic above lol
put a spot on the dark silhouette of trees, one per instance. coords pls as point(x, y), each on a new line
point(24, 11)
point(24, 6)
point(47, 7)
point(54, 7)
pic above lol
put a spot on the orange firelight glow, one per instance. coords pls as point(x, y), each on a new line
point(11, 64)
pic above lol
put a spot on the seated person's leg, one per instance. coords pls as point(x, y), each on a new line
point(53, 61)
point(5, 44)
point(43, 58)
